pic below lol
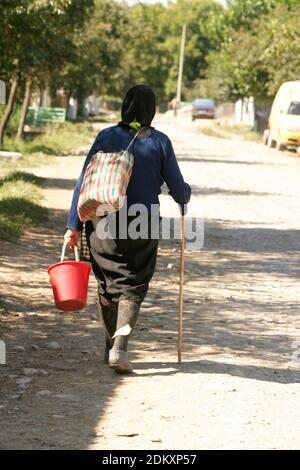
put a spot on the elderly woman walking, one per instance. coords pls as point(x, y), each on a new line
point(124, 266)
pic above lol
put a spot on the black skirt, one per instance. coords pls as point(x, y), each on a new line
point(123, 267)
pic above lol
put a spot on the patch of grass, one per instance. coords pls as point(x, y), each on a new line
point(28, 160)
point(61, 139)
point(212, 132)
point(20, 207)
point(232, 132)
point(105, 117)
point(57, 139)
point(20, 195)
point(21, 176)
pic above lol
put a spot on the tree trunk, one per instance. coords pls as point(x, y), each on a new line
point(25, 105)
point(41, 97)
point(69, 95)
point(9, 108)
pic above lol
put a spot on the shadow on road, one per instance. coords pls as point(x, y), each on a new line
point(266, 374)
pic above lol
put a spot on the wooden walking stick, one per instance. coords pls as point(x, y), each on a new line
point(180, 313)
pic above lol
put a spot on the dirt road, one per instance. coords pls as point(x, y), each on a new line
point(238, 387)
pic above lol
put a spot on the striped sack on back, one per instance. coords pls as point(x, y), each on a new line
point(105, 183)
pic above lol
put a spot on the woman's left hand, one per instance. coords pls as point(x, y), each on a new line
point(71, 237)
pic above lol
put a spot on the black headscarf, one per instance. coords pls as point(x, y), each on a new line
point(139, 104)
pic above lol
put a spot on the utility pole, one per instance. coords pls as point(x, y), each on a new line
point(180, 69)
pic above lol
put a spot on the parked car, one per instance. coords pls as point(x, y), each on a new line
point(284, 120)
point(203, 108)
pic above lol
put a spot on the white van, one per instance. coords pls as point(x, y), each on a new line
point(284, 120)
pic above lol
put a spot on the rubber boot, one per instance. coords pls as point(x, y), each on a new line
point(108, 313)
point(128, 312)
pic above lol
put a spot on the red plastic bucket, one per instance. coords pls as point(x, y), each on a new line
point(69, 280)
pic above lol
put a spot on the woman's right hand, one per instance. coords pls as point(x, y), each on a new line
point(71, 237)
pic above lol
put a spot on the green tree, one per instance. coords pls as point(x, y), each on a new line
point(238, 15)
point(195, 14)
point(258, 48)
point(97, 65)
point(37, 39)
point(146, 58)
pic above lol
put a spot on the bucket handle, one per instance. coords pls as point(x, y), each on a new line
point(63, 252)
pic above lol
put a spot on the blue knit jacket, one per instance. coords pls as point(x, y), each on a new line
point(154, 164)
